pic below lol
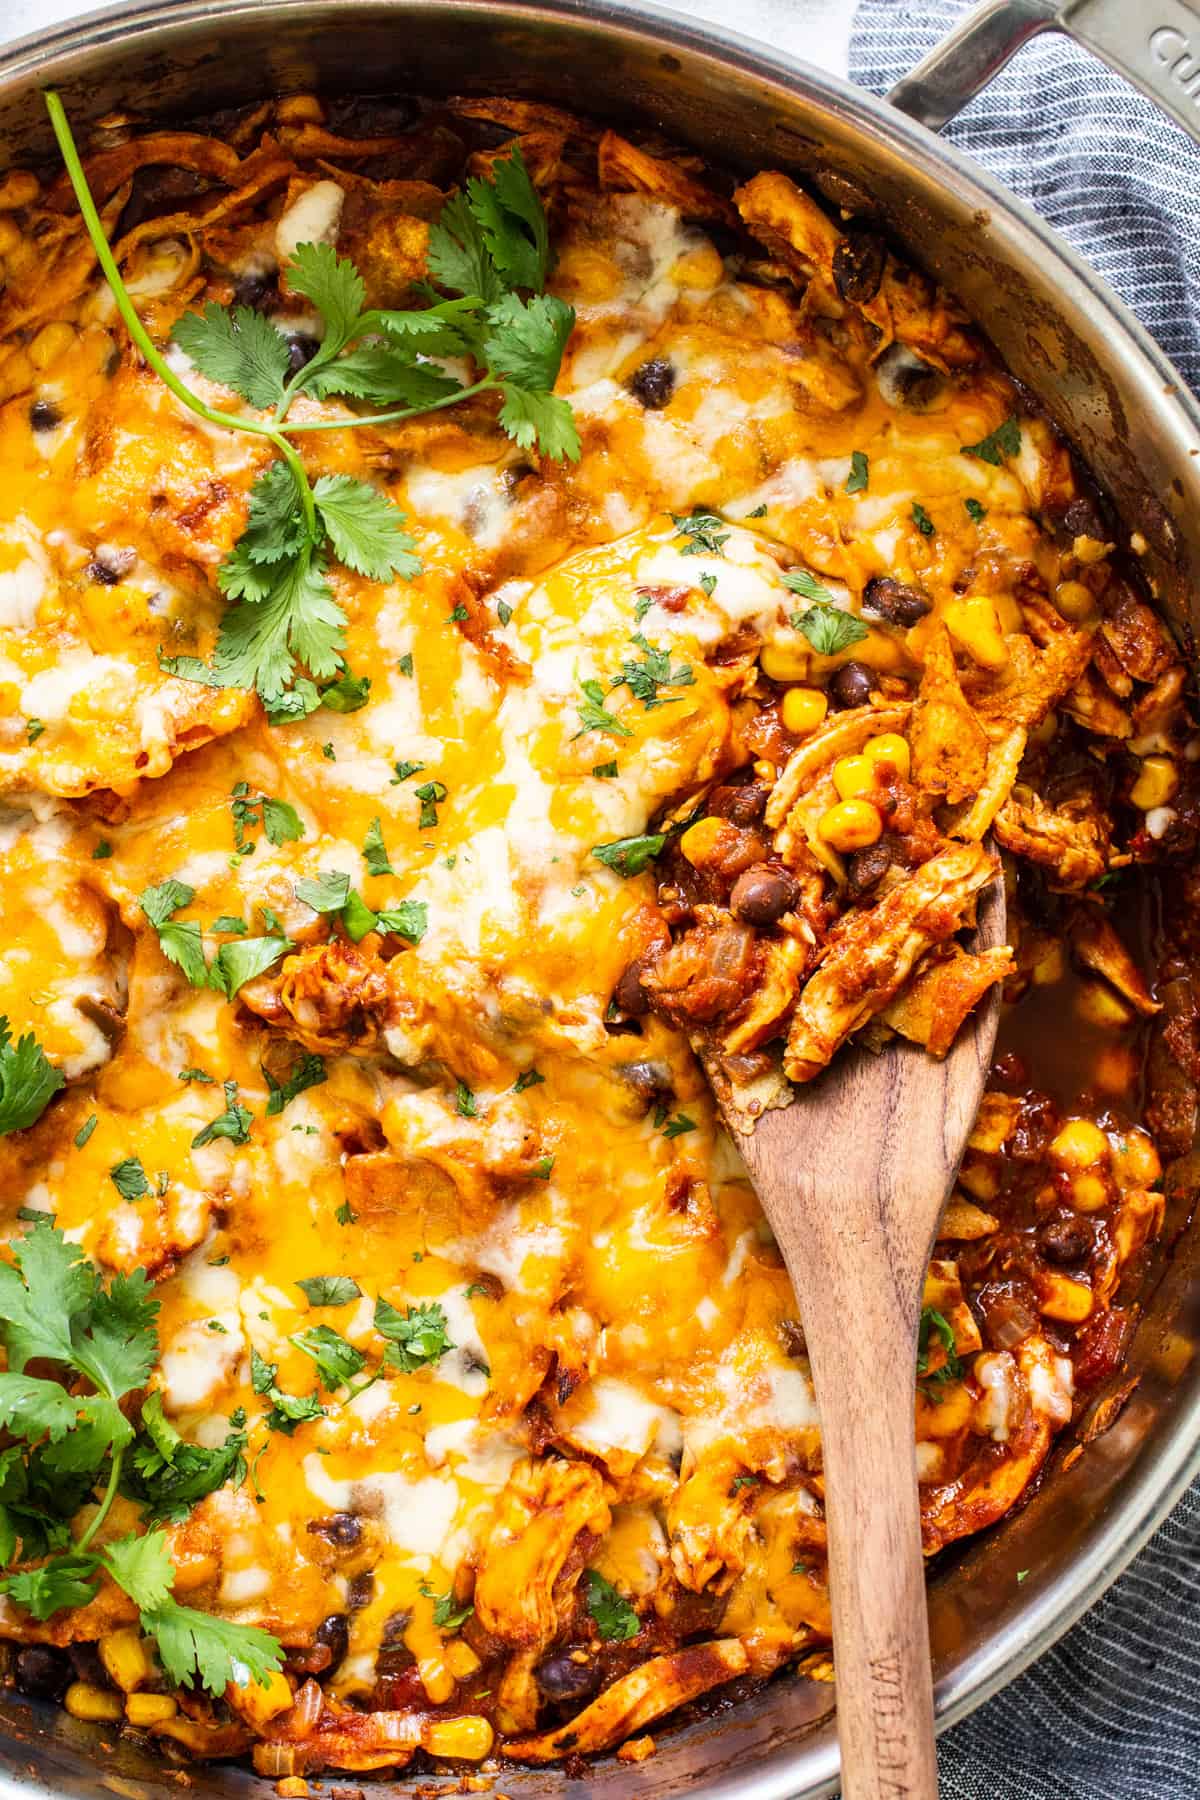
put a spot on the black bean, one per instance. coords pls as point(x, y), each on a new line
point(868, 867)
point(333, 1634)
point(44, 416)
point(87, 1666)
point(858, 264)
point(257, 291)
point(650, 1081)
point(560, 1678)
point(108, 566)
point(654, 383)
point(42, 1672)
point(1083, 518)
point(301, 350)
point(761, 896)
point(791, 1333)
point(629, 993)
point(904, 380)
point(742, 804)
point(342, 1528)
point(1066, 1240)
point(894, 601)
point(360, 1591)
point(853, 685)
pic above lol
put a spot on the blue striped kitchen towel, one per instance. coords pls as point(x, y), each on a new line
point(1113, 1711)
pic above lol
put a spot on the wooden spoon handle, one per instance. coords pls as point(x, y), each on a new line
point(876, 1572)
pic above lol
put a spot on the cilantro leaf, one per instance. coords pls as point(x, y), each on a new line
point(805, 583)
point(308, 1071)
point(922, 520)
point(337, 1361)
point(196, 1645)
point(447, 1614)
point(935, 1325)
point(45, 1297)
point(67, 1581)
point(243, 959)
point(384, 375)
point(287, 615)
point(543, 419)
point(142, 1566)
point(703, 532)
point(365, 529)
point(28, 1080)
point(975, 511)
point(234, 1123)
point(593, 715)
point(329, 1290)
point(375, 850)
point(324, 893)
point(347, 694)
point(859, 477)
point(129, 1178)
point(458, 256)
point(629, 856)
point(120, 1346)
point(275, 529)
point(357, 917)
point(1004, 441)
point(645, 675)
point(430, 794)
point(527, 339)
point(237, 349)
point(416, 1337)
point(502, 207)
point(32, 1409)
point(614, 1617)
point(281, 822)
point(166, 1475)
point(829, 629)
point(409, 919)
point(334, 286)
point(179, 940)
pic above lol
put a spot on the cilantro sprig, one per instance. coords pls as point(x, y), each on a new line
point(827, 628)
point(55, 1308)
point(283, 631)
point(28, 1080)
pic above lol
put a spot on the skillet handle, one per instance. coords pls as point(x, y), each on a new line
point(1154, 44)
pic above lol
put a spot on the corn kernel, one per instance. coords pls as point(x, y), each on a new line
point(83, 1701)
point(1136, 1162)
point(588, 273)
point(1099, 1005)
point(699, 268)
point(802, 709)
point(292, 1787)
point(980, 1180)
point(149, 1709)
point(124, 1657)
point(701, 839)
point(51, 344)
point(470, 1737)
point(257, 1703)
point(876, 651)
point(890, 748)
point(1065, 1299)
point(98, 347)
point(783, 662)
point(852, 776)
point(1156, 783)
point(851, 825)
point(461, 1660)
point(16, 374)
point(1089, 1192)
point(1079, 1144)
point(1074, 600)
point(973, 625)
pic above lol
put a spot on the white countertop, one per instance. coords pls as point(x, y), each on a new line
point(817, 30)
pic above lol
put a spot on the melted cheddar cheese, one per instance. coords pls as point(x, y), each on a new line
point(625, 1388)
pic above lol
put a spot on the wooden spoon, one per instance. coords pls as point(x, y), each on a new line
point(853, 1177)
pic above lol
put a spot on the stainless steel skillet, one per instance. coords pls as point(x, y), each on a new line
point(1063, 333)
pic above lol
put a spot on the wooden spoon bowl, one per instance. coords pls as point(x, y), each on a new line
point(853, 1176)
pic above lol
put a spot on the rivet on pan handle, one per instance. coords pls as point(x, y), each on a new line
point(1155, 44)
